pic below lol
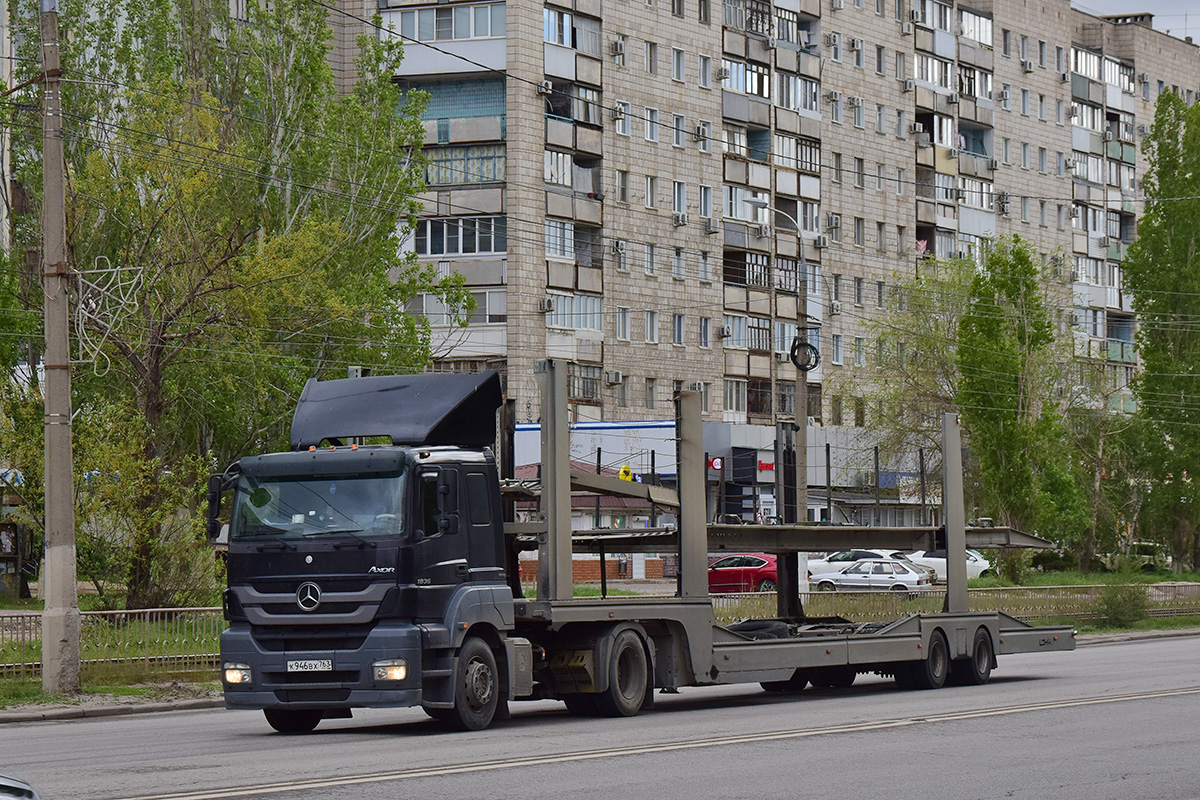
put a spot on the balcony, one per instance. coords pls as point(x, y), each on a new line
point(1122, 351)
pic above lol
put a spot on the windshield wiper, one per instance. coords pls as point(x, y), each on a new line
point(361, 542)
point(279, 543)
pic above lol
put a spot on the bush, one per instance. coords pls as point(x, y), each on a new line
point(1122, 604)
point(1013, 565)
point(1051, 561)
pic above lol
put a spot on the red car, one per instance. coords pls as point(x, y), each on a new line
point(743, 572)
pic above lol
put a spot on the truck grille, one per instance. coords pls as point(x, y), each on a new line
point(311, 678)
point(278, 640)
point(312, 695)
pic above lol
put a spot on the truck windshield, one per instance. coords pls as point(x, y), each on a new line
point(282, 507)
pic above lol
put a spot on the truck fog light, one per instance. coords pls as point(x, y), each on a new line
point(236, 673)
point(395, 669)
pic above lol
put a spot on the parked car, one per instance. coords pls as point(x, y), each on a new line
point(1144, 556)
point(743, 572)
point(874, 575)
point(977, 565)
point(835, 561)
point(11, 787)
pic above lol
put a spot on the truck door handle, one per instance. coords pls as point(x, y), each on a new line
point(461, 570)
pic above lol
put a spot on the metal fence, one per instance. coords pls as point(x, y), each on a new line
point(187, 640)
point(158, 640)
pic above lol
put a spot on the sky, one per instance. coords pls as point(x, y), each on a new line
point(1178, 17)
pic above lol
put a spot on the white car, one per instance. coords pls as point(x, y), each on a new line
point(878, 575)
point(835, 561)
point(977, 565)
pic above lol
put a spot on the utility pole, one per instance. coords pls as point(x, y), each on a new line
point(60, 620)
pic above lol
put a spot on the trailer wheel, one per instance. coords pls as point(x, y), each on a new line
point(930, 672)
point(977, 669)
point(292, 720)
point(628, 675)
point(796, 683)
point(476, 688)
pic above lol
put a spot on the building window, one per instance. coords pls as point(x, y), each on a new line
point(576, 312)
point(620, 254)
point(677, 268)
point(704, 131)
point(859, 172)
point(880, 236)
point(705, 268)
point(461, 236)
point(859, 233)
point(560, 239)
point(651, 260)
point(465, 164)
point(706, 202)
point(704, 67)
point(651, 191)
point(860, 351)
point(677, 329)
point(446, 23)
point(678, 130)
point(650, 58)
point(735, 395)
point(705, 332)
point(679, 197)
point(583, 383)
point(622, 323)
point(622, 110)
point(859, 291)
point(651, 320)
point(651, 124)
point(651, 388)
point(678, 59)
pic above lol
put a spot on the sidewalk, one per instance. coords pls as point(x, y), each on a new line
point(107, 706)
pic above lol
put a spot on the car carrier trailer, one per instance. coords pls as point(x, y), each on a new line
point(385, 575)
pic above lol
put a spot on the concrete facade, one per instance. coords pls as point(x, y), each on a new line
point(890, 130)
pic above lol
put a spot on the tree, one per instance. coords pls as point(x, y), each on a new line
point(1011, 370)
point(235, 228)
point(1162, 272)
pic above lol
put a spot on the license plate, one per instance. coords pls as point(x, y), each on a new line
point(318, 665)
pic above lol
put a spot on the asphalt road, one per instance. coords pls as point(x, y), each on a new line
point(1113, 721)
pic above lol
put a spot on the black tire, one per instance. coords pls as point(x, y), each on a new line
point(581, 704)
point(826, 586)
point(767, 585)
point(628, 676)
point(476, 688)
point(931, 672)
point(976, 670)
point(291, 720)
point(796, 683)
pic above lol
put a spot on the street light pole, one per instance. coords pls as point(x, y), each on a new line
point(789, 574)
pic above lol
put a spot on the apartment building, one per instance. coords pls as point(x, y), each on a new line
point(664, 192)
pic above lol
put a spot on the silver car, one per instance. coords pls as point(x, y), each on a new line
point(874, 575)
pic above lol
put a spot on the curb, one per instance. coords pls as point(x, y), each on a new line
point(57, 713)
point(1094, 639)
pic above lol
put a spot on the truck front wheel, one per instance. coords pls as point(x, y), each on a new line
point(476, 688)
point(290, 720)
point(628, 674)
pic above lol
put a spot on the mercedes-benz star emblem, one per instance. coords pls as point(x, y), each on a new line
point(308, 596)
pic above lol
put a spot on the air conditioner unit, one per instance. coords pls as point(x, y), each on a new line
point(678, 219)
point(1143, 130)
point(952, 99)
point(910, 85)
point(1065, 77)
point(1103, 241)
point(618, 112)
point(545, 87)
point(1005, 95)
point(722, 74)
point(856, 43)
point(835, 307)
point(699, 134)
point(833, 97)
point(782, 358)
point(831, 39)
point(832, 221)
point(916, 127)
point(710, 226)
point(762, 231)
point(951, 152)
point(993, 163)
point(546, 304)
point(1027, 65)
point(838, 5)
point(1069, 164)
point(695, 386)
point(1108, 136)
point(618, 48)
point(1074, 212)
point(724, 332)
point(821, 242)
point(618, 246)
point(1073, 318)
point(613, 377)
point(1143, 78)
point(855, 102)
point(906, 28)
point(771, 42)
point(915, 15)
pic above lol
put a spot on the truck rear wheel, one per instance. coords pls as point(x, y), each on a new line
point(931, 671)
point(628, 675)
point(291, 720)
point(977, 668)
point(476, 688)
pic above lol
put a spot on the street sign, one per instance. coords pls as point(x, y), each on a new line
point(716, 462)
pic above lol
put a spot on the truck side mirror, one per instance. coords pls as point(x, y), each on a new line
point(215, 483)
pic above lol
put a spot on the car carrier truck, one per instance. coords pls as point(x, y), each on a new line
point(372, 567)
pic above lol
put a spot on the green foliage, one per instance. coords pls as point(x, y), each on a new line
point(249, 217)
point(1013, 565)
point(1162, 272)
point(1122, 604)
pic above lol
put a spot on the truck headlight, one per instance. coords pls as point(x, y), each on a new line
point(236, 673)
point(393, 669)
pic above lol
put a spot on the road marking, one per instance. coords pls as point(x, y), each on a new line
point(647, 749)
